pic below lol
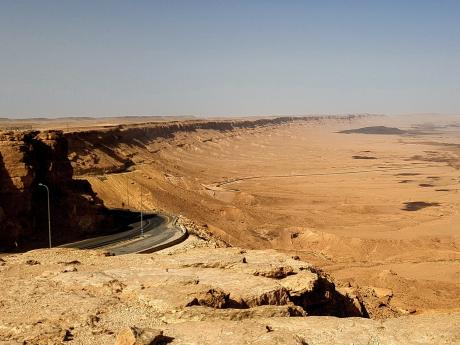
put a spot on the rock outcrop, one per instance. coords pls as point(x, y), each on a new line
point(191, 296)
point(29, 158)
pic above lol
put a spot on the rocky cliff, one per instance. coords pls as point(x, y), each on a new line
point(101, 150)
point(29, 158)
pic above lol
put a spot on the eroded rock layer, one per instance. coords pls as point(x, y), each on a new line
point(30, 158)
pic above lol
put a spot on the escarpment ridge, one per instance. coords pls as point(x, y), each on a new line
point(53, 157)
point(98, 150)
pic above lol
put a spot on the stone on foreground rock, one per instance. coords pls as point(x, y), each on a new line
point(137, 336)
point(196, 296)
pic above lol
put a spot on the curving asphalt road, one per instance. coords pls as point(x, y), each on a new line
point(160, 231)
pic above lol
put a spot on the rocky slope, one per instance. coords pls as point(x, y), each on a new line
point(190, 296)
point(29, 158)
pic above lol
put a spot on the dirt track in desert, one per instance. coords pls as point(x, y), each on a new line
point(372, 210)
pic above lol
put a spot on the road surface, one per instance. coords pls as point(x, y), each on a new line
point(160, 231)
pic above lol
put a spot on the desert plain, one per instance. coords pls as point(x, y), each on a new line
point(372, 202)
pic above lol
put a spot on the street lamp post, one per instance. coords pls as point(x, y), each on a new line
point(127, 191)
point(142, 223)
point(49, 218)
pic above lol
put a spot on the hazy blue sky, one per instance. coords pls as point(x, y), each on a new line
point(228, 57)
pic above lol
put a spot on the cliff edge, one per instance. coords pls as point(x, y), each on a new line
point(191, 296)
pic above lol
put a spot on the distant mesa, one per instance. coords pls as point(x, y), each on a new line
point(375, 130)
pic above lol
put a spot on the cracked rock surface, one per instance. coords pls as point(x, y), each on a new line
point(197, 296)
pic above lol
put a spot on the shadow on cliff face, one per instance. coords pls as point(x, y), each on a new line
point(321, 299)
point(76, 211)
point(9, 229)
point(325, 300)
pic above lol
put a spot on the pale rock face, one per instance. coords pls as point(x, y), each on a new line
point(196, 296)
point(300, 284)
point(412, 330)
point(382, 292)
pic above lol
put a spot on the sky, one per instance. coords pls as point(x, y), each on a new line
point(218, 58)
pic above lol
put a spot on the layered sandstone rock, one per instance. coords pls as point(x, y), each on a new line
point(29, 158)
point(190, 296)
